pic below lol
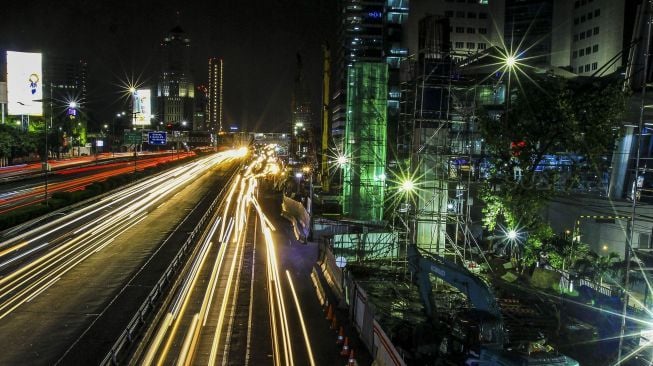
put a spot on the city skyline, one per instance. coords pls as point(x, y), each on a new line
point(257, 90)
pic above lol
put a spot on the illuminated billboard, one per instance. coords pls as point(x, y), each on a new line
point(24, 83)
point(142, 107)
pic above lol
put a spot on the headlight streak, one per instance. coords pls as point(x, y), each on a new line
point(239, 241)
point(33, 278)
point(275, 294)
point(179, 307)
point(301, 320)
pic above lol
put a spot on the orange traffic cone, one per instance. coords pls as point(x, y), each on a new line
point(345, 348)
point(330, 313)
point(352, 360)
point(334, 323)
point(341, 336)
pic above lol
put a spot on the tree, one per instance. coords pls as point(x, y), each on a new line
point(577, 120)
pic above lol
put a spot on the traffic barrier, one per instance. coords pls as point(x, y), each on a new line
point(330, 313)
point(334, 323)
point(341, 336)
point(352, 360)
point(345, 348)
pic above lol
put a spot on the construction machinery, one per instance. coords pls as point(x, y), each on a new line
point(476, 335)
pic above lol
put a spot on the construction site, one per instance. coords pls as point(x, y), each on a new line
point(411, 262)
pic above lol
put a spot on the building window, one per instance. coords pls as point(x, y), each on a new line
point(589, 15)
point(574, 54)
point(587, 68)
point(575, 37)
point(597, 12)
point(460, 45)
point(482, 30)
point(595, 65)
point(482, 15)
point(460, 14)
point(581, 52)
point(588, 33)
point(448, 13)
point(471, 30)
point(460, 29)
point(471, 45)
point(482, 46)
point(582, 19)
point(596, 30)
point(575, 21)
point(580, 69)
point(595, 48)
point(471, 15)
point(582, 35)
point(588, 50)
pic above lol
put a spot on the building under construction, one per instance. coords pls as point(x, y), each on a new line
point(438, 143)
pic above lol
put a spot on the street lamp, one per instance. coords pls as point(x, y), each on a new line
point(46, 165)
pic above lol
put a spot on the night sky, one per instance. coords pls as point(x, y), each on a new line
point(258, 41)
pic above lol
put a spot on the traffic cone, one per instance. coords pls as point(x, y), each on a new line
point(334, 323)
point(352, 360)
point(341, 336)
point(330, 313)
point(345, 348)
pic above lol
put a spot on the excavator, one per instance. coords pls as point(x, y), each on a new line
point(476, 336)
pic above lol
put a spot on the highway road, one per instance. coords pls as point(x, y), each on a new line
point(246, 297)
point(64, 276)
point(67, 177)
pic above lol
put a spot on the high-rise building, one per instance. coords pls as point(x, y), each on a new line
point(593, 35)
point(474, 25)
point(369, 31)
point(529, 29)
point(175, 91)
point(366, 61)
point(65, 82)
point(301, 117)
point(214, 103)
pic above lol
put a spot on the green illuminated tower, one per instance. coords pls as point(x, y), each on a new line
point(365, 141)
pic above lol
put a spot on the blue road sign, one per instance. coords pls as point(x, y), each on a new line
point(156, 138)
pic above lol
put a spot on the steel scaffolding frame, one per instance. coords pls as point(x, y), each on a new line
point(437, 141)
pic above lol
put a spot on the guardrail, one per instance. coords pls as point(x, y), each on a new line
point(127, 336)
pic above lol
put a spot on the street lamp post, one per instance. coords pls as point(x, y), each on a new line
point(46, 166)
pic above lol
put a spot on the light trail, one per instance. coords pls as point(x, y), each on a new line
point(106, 219)
point(301, 320)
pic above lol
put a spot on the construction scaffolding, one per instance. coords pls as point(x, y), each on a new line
point(365, 142)
point(439, 145)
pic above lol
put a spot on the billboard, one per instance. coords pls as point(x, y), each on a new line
point(142, 107)
point(24, 83)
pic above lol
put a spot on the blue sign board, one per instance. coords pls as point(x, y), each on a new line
point(156, 138)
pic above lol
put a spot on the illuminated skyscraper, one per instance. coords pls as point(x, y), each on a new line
point(176, 91)
point(214, 106)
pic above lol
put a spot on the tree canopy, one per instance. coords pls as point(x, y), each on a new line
point(575, 121)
